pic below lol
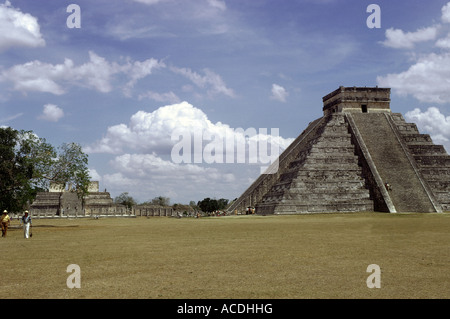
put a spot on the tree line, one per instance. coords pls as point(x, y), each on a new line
point(205, 205)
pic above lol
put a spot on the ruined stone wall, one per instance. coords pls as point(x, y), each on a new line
point(111, 210)
point(150, 210)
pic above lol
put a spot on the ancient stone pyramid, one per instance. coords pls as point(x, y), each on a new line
point(342, 161)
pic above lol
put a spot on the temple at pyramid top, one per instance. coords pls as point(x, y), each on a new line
point(358, 100)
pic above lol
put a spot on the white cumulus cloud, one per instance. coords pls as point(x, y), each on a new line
point(152, 132)
point(144, 159)
point(51, 113)
point(446, 13)
point(279, 93)
point(444, 42)
point(18, 29)
point(427, 80)
point(396, 38)
point(96, 74)
point(433, 122)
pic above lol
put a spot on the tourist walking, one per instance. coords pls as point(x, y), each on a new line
point(26, 220)
point(5, 221)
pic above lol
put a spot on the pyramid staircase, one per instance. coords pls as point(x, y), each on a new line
point(432, 160)
point(393, 162)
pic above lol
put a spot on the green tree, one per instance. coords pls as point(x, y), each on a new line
point(125, 199)
point(71, 168)
point(15, 172)
point(210, 205)
point(28, 164)
point(161, 201)
point(222, 203)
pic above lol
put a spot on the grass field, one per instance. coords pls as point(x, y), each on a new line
point(250, 257)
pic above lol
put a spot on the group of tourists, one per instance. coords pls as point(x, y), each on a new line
point(250, 210)
point(5, 220)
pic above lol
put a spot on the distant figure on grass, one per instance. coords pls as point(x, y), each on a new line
point(6, 221)
point(388, 186)
point(26, 220)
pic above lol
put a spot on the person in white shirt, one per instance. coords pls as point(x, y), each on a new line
point(26, 220)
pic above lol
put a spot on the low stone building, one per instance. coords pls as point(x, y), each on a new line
point(62, 202)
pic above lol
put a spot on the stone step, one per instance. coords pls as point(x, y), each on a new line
point(320, 176)
point(332, 186)
point(300, 195)
point(319, 195)
point(343, 165)
point(325, 150)
point(421, 139)
point(331, 173)
point(322, 141)
point(318, 208)
point(323, 162)
point(407, 128)
point(319, 186)
point(435, 173)
point(420, 149)
point(440, 185)
point(337, 140)
point(334, 131)
point(442, 197)
point(398, 118)
point(293, 172)
point(432, 160)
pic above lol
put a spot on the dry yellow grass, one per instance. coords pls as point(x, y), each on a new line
point(250, 257)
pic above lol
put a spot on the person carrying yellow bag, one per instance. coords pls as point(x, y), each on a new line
point(5, 221)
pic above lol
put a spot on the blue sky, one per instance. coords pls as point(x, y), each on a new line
point(136, 70)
